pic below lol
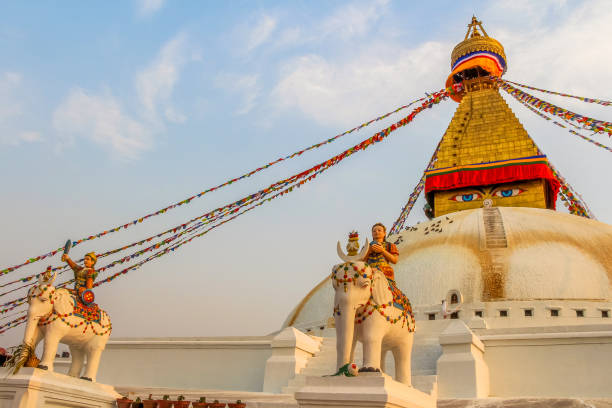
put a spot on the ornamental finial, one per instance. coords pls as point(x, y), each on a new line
point(352, 247)
point(473, 27)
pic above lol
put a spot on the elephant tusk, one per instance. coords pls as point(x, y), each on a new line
point(354, 258)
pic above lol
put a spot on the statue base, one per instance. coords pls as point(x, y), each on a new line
point(366, 390)
point(33, 388)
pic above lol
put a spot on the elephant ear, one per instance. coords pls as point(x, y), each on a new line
point(63, 302)
point(380, 289)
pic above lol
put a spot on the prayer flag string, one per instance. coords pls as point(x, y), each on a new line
point(582, 98)
point(595, 125)
point(296, 182)
point(542, 115)
point(570, 198)
point(399, 223)
point(188, 200)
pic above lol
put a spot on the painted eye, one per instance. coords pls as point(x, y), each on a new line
point(508, 193)
point(464, 198)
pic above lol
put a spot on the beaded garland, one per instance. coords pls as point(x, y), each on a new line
point(346, 279)
point(399, 302)
point(91, 320)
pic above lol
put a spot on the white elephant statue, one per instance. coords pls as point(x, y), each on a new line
point(369, 309)
point(54, 315)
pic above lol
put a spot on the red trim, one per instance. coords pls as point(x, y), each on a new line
point(498, 175)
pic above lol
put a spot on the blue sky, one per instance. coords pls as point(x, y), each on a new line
point(113, 110)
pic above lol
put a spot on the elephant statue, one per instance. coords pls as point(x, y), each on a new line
point(55, 315)
point(370, 309)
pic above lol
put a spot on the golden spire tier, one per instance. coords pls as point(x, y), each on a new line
point(486, 158)
point(478, 55)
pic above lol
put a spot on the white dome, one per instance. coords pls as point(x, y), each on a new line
point(502, 253)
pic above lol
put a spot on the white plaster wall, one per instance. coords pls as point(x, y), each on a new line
point(571, 362)
point(221, 363)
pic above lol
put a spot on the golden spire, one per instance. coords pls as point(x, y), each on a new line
point(485, 156)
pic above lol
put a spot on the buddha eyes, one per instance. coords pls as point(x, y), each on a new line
point(508, 193)
point(464, 198)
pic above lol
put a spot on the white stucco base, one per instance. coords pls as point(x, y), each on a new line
point(366, 390)
point(34, 388)
point(462, 370)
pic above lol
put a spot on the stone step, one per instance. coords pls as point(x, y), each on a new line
point(426, 383)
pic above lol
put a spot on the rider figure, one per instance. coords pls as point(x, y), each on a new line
point(84, 276)
point(381, 252)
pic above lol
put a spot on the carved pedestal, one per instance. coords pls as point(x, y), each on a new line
point(366, 390)
point(34, 388)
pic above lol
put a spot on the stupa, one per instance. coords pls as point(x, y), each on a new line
point(512, 299)
point(497, 264)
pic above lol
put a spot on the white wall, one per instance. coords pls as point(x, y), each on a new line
point(570, 361)
point(221, 363)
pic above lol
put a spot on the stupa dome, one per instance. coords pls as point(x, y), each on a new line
point(493, 254)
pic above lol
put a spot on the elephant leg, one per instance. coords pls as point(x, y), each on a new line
point(93, 361)
point(78, 358)
point(51, 343)
point(402, 355)
point(352, 360)
point(371, 354)
point(383, 360)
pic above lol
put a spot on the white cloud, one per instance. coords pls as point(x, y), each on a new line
point(174, 116)
point(354, 19)
point(244, 85)
point(9, 105)
point(564, 55)
point(30, 137)
point(100, 118)
point(261, 32)
point(343, 91)
point(156, 82)
point(149, 7)
point(289, 36)
point(12, 101)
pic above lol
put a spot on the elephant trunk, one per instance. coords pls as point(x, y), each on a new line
point(31, 331)
point(345, 332)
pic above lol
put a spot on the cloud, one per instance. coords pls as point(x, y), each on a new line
point(244, 85)
point(12, 101)
point(156, 82)
point(9, 105)
point(30, 137)
point(354, 19)
point(149, 7)
point(100, 119)
point(565, 54)
point(261, 32)
point(174, 116)
point(345, 90)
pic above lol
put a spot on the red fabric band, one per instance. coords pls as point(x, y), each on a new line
point(497, 175)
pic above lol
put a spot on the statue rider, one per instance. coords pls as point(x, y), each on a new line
point(84, 276)
point(382, 252)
